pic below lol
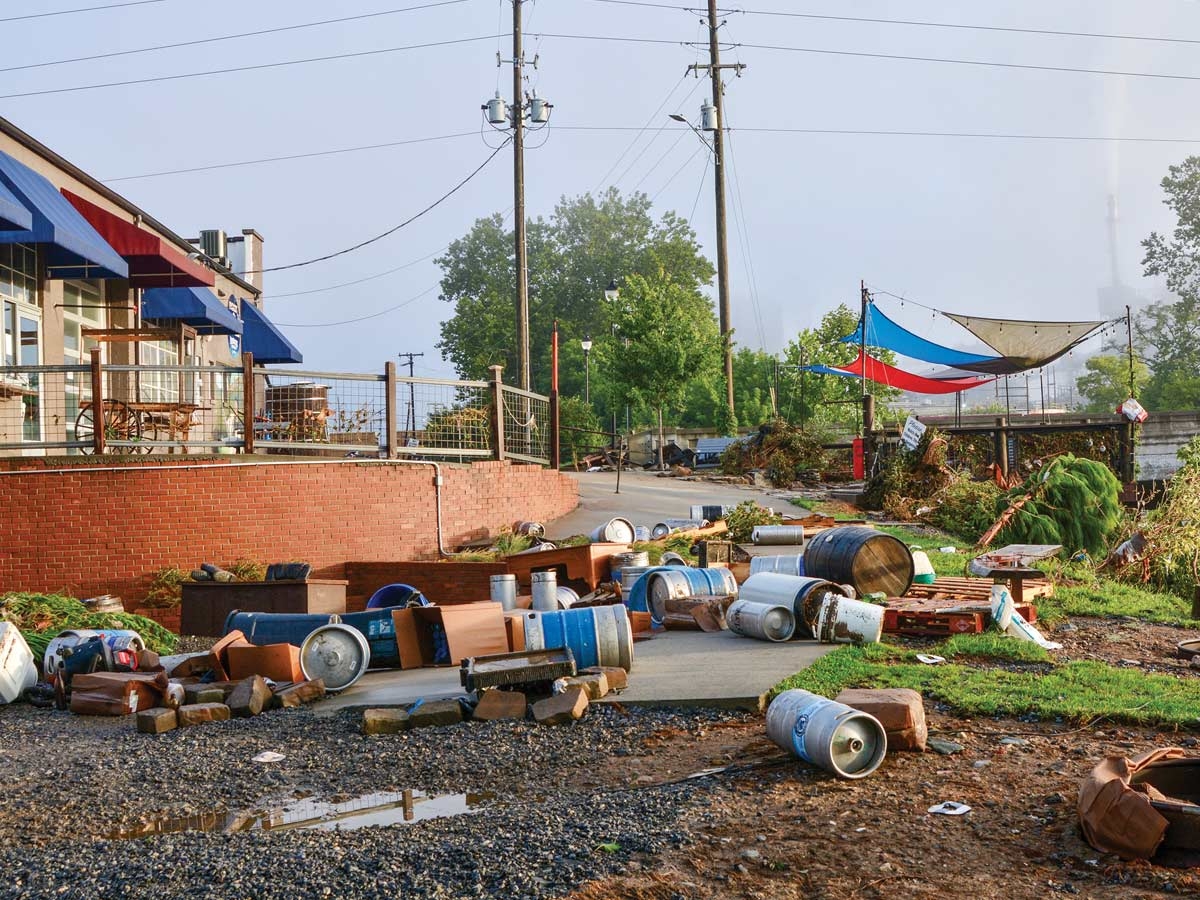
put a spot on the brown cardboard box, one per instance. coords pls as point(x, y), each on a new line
point(278, 662)
point(472, 629)
point(117, 693)
point(514, 625)
point(218, 659)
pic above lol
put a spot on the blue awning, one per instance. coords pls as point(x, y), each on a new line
point(262, 339)
point(194, 306)
point(13, 213)
point(73, 248)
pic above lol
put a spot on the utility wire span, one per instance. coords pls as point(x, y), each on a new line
point(382, 312)
point(254, 68)
point(82, 9)
point(450, 193)
point(227, 37)
point(917, 23)
point(309, 155)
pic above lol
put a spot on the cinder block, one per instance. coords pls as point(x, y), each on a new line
point(497, 704)
point(569, 705)
point(157, 720)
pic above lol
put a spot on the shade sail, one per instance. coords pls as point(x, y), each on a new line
point(72, 247)
point(194, 306)
point(263, 340)
point(883, 332)
point(881, 373)
point(152, 261)
point(13, 214)
point(1026, 344)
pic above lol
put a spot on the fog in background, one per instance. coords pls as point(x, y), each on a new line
point(994, 227)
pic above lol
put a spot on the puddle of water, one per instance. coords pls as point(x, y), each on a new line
point(381, 808)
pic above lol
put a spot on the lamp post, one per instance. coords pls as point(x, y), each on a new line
point(586, 344)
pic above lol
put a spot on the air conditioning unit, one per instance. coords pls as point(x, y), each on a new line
point(215, 245)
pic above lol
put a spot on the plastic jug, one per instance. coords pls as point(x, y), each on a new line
point(922, 568)
point(17, 671)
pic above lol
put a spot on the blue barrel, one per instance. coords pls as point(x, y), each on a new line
point(393, 595)
point(596, 635)
point(658, 585)
point(292, 628)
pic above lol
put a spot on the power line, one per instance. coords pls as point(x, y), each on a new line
point(275, 65)
point(919, 23)
point(658, 132)
point(1010, 136)
point(450, 193)
point(686, 163)
point(310, 155)
point(82, 9)
point(382, 312)
point(228, 37)
point(650, 121)
point(700, 188)
point(743, 228)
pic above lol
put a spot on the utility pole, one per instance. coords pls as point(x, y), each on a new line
point(714, 68)
point(410, 419)
point(518, 120)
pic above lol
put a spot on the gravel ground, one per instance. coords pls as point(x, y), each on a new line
point(560, 793)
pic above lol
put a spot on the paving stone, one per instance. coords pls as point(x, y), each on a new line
point(618, 678)
point(497, 704)
point(564, 707)
point(157, 720)
point(249, 698)
point(202, 693)
point(197, 713)
point(435, 712)
point(300, 693)
point(384, 721)
point(595, 685)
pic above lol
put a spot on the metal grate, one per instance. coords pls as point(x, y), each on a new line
point(443, 418)
point(526, 425)
point(328, 412)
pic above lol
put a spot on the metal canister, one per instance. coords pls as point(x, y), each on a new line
point(545, 590)
point(765, 621)
point(531, 529)
point(629, 576)
point(614, 531)
point(633, 558)
point(641, 533)
point(504, 590)
point(712, 513)
point(783, 565)
point(566, 597)
point(337, 654)
point(828, 734)
point(787, 535)
point(846, 621)
point(804, 595)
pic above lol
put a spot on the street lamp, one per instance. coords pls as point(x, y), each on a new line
point(586, 344)
point(612, 291)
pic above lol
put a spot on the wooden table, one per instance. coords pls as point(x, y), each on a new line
point(1014, 564)
point(587, 564)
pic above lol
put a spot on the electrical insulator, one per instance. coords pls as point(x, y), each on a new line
point(708, 117)
point(539, 110)
point(497, 110)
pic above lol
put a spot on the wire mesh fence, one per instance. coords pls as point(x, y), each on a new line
point(445, 419)
point(526, 425)
point(167, 409)
point(324, 412)
point(39, 406)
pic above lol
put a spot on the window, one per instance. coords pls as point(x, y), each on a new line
point(160, 387)
point(83, 307)
point(21, 326)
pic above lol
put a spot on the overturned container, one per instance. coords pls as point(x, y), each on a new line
point(803, 595)
point(784, 565)
point(664, 583)
point(868, 560)
point(337, 654)
point(530, 529)
point(712, 513)
point(17, 669)
point(764, 621)
point(827, 734)
point(777, 535)
point(845, 621)
point(614, 531)
point(595, 635)
point(670, 526)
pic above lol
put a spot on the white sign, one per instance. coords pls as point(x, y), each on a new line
point(913, 432)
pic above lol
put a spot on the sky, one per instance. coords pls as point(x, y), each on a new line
point(985, 226)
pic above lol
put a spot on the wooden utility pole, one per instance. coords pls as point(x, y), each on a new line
point(714, 68)
point(518, 119)
point(410, 418)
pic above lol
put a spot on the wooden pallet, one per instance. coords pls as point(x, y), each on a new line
point(942, 618)
point(975, 589)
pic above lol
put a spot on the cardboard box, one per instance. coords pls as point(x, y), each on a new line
point(117, 693)
point(218, 658)
point(514, 625)
point(472, 629)
point(278, 662)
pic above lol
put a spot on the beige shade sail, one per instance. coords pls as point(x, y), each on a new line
point(1027, 344)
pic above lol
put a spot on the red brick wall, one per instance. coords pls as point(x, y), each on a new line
point(89, 529)
point(441, 582)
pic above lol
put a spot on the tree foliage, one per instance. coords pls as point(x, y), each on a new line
point(1105, 385)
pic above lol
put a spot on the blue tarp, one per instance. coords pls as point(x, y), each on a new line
point(262, 339)
point(883, 332)
point(13, 213)
point(194, 306)
point(73, 248)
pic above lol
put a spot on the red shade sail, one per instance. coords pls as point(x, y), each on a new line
point(152, 261)
point(881, 373)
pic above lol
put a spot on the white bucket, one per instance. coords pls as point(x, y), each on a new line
point(828, 734)
point(922, 568)
point(846, 621)
point(17, 670)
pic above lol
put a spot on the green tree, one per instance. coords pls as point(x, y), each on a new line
point(1169, 332)
point(828, 401)
point(1106, 383)
point(666, 341)
point(587, 242)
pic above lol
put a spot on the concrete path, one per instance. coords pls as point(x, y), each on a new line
point(677, 668)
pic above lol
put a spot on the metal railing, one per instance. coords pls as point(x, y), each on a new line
point(146, 409)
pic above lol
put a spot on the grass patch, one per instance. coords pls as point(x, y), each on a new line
point(993, 645)
point(1113, 598)
point(1075, 691)
point(944, 564)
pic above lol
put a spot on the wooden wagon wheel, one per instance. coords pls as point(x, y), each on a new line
point(120, 423)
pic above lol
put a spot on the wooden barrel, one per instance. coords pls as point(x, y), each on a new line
point(868, 560)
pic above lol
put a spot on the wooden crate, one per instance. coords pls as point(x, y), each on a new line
point(949, 588)
point(943, 618)
point(586, 565)
point(206, 604)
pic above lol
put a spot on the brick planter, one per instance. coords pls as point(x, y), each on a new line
point(168, 617)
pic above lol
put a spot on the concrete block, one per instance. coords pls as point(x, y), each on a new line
point(249, 698)
point(300, 693)
point(618, 678)
point(595, 685)
point(900, 711)
point(497, 704)
point(202, 693)
point(384, 721)
point(569, 705)
point(197, 713)
point(157, 720)
point(435, 712)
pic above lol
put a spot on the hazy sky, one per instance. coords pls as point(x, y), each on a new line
point(987, 226)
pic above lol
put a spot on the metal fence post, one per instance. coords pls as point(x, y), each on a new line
point(389, 382)
point(555, 433)
point(248, 402)
point(497, 411)
point(97, 403)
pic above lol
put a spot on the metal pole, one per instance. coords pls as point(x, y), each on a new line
point(862, 350)
point(1129, 336)
point(714, 53)
point(518, 114)
point(587, 377)
point(555, 421)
